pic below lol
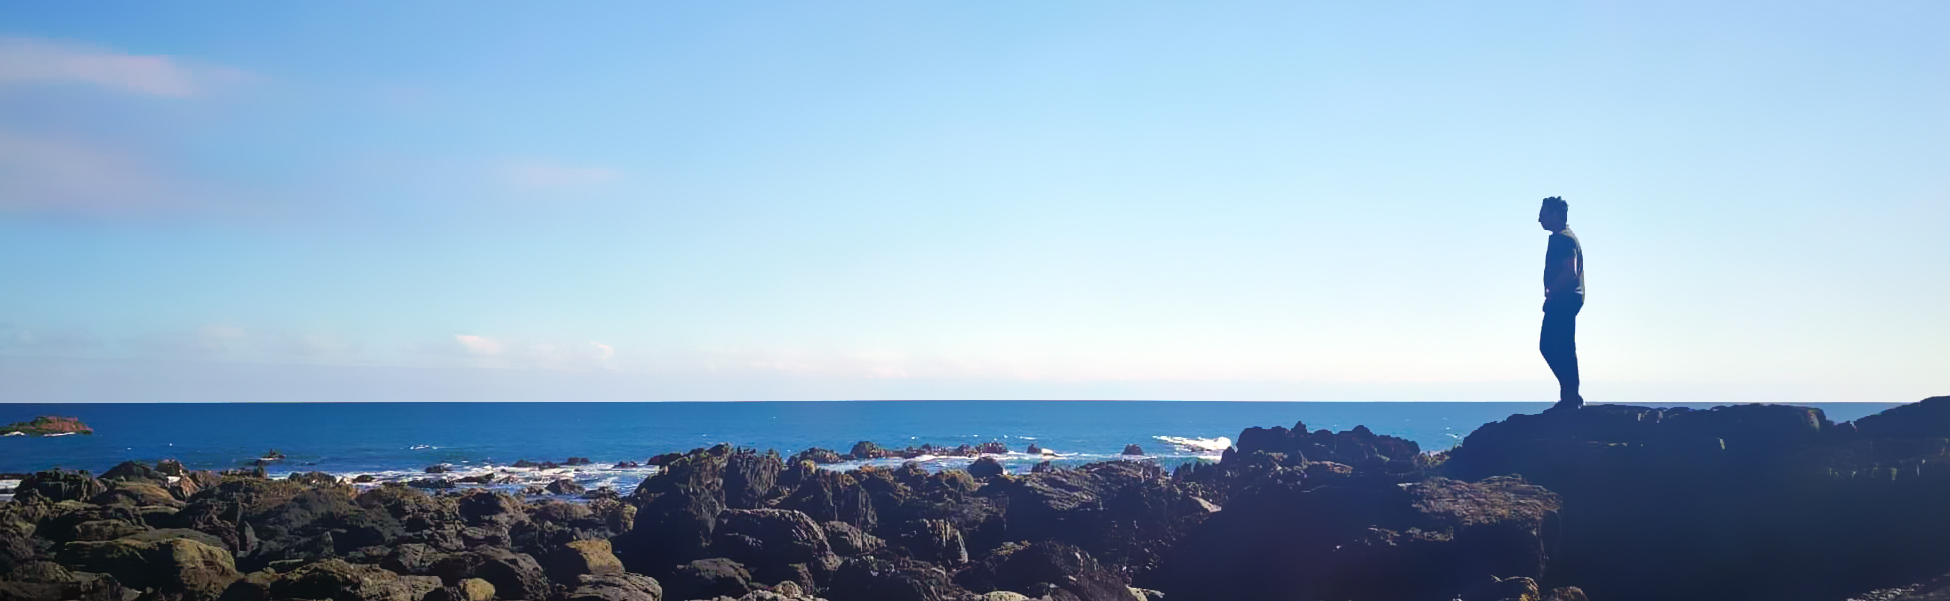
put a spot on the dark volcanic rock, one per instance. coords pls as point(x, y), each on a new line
point(776, 544)
point(46, 580)
point(564, 486)
point(514, 575)
point(677, 510)
point(818, 456)
point(136, 471)
point(58, 485)
point(892, 580)
point(850, 541)
point(1373, 540)
point(1125, 513)
point(992, 448)
point(437, 469)
point(830, 496)
point(934, 541)
point(616, 587)
point(177, 568)
point(583, 557)
point(1132, 449)
point(1739, 483)
point(1928, 418)
point(262, 521)
point(340, 581)
point(575, 461)
point(708, 578)
point(524, 463)
point(1051, 569)
point(986, 467)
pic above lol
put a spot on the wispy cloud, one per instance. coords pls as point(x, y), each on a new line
point(483, 351)
point(38, 61)
point(540, 175)
point(209, 340)
point(57, 340)
point(39, 174)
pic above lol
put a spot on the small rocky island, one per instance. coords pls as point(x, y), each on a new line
point(1609, 502)
point(46, 425)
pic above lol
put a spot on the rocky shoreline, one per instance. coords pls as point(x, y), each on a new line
point(1751, 502)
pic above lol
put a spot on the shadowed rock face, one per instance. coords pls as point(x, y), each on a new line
point(1349, 540)
point(1740, 502)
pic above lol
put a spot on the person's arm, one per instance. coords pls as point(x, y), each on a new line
point(1567, 276)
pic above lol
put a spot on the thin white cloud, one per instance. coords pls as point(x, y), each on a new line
point(39, 174)
point(478, 345)
point(38, 61)
point(58, 340)
point(536, 175)
point(210, 340)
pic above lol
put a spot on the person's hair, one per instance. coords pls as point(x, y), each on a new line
point(1557, 204)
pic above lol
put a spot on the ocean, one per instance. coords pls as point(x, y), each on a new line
point(397, 441)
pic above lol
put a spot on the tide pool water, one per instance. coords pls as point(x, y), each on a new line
point(398, 440)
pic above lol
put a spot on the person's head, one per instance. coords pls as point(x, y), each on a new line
point(1555, 215)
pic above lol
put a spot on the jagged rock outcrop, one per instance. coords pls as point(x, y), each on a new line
point(1365, 540)
point(1773, 501)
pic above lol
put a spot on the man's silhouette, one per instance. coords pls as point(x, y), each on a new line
point(1563, 297)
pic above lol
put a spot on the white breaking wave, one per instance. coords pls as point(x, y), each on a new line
point(1208, 445)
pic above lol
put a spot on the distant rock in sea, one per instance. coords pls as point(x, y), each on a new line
point(47, 425)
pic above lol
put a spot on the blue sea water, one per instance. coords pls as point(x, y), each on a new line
point(398, 440)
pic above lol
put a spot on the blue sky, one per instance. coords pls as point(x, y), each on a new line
point(773, 201)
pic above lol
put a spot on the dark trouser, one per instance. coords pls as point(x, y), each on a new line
point(1560, 346)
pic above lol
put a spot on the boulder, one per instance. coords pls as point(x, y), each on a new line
point(849, 541)
point(37, 580)
point(892, 580)
point(830, 496)
point(564, 486)
point(136, 471)
point(1043, 569)
point(514, 575)
point(575, 461)
point(1376, 540)
point(136, 493)
point(437, 469)
point(936, 541)
point(524, 463)
point(992, 448)
point(177, 568)
point(582, 557)
point(775, 544)
point(676, 511)
point(708, 578)
point(616, 587)
point(1126, 514)
point(58, 485)
point(337, 580)
point(1132, 449)
point(818, 456)
point(986, 467)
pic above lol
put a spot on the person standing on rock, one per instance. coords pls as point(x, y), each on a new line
point(1563, 298)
